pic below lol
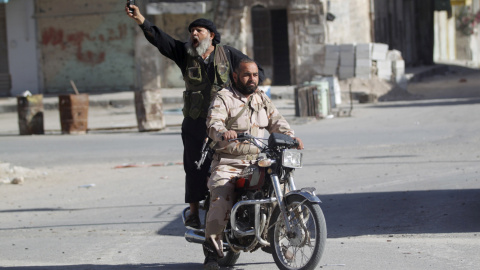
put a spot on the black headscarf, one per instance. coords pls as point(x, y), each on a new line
point(208, 25)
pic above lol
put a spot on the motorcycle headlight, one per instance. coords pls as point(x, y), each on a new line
point(292, 159)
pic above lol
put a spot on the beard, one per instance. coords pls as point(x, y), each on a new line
point(201, 48)
point(246, 89)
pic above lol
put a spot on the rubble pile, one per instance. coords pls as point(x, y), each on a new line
point(16, 175)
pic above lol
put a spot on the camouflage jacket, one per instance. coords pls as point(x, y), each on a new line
point(259, 116)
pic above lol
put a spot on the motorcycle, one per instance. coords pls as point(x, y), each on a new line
point(270, 213)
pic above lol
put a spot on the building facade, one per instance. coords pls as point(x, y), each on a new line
point(45, 44)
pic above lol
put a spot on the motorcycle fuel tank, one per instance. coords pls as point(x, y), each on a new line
point(252, 178)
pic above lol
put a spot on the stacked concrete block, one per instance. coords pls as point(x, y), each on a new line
point(384, 65)
point(347, 61)
point(384, 69)
point(398, 70)
point(379, 51)
point(332, 58)
point(363, 60)
point(398, 65)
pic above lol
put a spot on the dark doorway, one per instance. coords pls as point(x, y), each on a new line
point(4, 73)
point(270, 43)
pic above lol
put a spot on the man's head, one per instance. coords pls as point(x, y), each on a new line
point(246, 76)
point(203, 34)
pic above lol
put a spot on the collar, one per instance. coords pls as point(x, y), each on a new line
point(255, 104)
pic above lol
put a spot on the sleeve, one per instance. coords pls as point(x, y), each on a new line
point(217, 116)
point(276, 122)
point(235, 56)
point(168, 46)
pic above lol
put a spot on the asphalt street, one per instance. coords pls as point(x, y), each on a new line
point(399, 184)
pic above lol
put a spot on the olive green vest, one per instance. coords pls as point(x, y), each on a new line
point(199, 90)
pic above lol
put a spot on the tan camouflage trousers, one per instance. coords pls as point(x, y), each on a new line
point(222, 193)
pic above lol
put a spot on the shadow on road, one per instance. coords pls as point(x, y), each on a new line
point(110, 267)
point(172, 266)
point(410, 212)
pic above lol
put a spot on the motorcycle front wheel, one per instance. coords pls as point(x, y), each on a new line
point(303, 246)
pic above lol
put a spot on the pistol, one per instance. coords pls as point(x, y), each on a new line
point(130, 2)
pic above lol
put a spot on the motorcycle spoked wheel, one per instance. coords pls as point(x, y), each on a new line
point(302, 249)
point(230, 257)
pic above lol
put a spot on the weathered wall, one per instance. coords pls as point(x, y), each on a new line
point(307, 36)
point(352, 21)
point(88, 41)
point(22, 47)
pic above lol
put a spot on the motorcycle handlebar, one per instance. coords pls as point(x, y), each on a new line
point(241, 136)
point(295, 143)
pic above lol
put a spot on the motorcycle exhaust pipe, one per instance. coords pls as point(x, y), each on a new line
point(195, 236)
point(198, 237)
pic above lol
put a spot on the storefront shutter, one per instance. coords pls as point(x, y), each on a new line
point(4, 73)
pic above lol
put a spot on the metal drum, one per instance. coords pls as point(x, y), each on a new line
point(30, 114)
point(73, 113)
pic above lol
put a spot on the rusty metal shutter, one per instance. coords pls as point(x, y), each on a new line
point(4, 73)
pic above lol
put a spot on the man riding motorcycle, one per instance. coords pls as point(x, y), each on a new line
point(243, 108)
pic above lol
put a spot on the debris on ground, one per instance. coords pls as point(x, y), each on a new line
point(16, 175)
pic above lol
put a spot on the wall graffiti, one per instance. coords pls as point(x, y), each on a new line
point(52, 36)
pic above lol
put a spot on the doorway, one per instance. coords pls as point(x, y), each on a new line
point(4, 71)
point(270, 43)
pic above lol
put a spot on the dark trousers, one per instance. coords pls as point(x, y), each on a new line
point(193, 136)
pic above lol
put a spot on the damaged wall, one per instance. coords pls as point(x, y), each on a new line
point(303, 33)
point(88, 41)
point(352, 22)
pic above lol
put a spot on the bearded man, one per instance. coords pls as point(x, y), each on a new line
point(206, 68)
point(239, 109)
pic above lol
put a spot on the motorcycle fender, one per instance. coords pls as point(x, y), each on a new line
point(307, 194)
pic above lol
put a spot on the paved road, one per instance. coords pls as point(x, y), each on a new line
point(399, 181)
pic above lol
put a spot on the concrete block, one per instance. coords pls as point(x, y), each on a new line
point(331, 63)
point(332, 56)
point(363, 63)
point(347, 58)
point(347, 48)
point(364, 47)
point(329, 48)
point(384, 69)
point(362, 70)
point(345, 72)
point(330, 70)
point(398, 64)
point(379, 51)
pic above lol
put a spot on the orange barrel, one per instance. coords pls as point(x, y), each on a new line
point(149, 110)
point(73, 113)
point(30, 114)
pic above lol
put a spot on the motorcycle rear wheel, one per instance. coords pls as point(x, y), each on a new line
point(303, 248)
